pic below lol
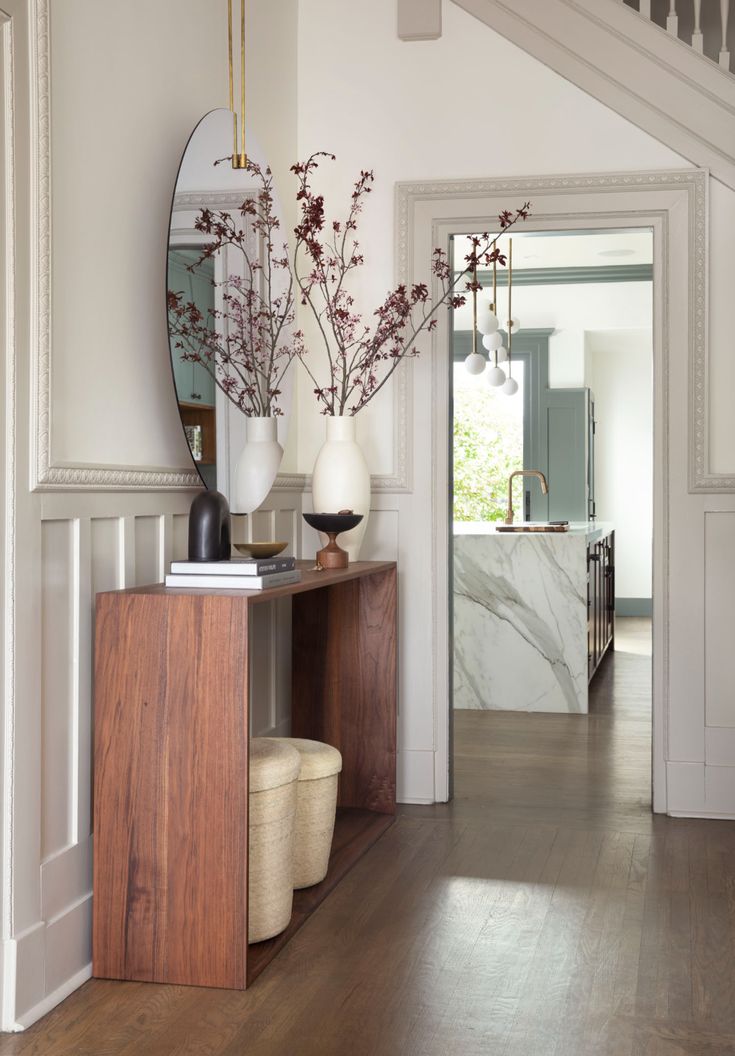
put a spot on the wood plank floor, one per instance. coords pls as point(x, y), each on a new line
point(545, 912)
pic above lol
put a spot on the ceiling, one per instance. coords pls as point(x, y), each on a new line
point(573, 249)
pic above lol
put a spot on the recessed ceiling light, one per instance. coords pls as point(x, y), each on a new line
point(616, 253)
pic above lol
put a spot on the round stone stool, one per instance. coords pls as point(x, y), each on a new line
point(317, 806)
point(274, 771)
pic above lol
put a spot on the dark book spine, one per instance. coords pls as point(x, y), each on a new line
point(284, 565)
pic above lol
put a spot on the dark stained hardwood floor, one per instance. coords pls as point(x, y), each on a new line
point(544, 912)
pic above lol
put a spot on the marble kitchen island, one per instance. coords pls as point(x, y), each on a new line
point(523, 630)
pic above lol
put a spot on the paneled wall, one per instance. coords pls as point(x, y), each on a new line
point(106, 545)
point(91, 544)
point(96, 479)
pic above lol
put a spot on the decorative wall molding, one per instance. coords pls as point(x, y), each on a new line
point(190, 201)
point(427, 214)
point(47, 474)
point(694, 183)
point(8, 393)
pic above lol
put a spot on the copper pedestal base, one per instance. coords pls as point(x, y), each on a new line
point(333, 556)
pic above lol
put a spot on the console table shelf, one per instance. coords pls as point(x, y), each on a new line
point(171, 762)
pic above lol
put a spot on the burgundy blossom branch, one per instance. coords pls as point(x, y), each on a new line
point(362, 357)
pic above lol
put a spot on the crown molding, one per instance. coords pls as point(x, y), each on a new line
point(186, 201)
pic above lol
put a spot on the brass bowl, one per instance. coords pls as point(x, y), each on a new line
point(259, 550)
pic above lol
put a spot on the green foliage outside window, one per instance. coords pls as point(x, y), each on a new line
point(488, 446)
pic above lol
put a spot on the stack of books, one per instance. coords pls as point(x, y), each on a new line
point(240, 573)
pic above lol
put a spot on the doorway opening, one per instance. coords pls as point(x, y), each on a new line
point(552, 630)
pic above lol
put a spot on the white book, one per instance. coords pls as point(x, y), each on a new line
point(236, 566)
point(277, 579)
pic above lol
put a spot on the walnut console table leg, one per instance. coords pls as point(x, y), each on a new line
point(171, 778)
point(344, 682)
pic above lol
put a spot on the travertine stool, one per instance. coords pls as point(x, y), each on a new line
point(317, 805)
point(274, 771)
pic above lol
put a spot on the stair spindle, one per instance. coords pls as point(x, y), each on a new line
point(724, 51)
point(697, 36)
point(672, 20)
point(644, 8)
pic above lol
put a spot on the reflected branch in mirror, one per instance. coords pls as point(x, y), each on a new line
point(248, 343)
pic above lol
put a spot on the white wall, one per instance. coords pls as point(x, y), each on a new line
point(620, 374)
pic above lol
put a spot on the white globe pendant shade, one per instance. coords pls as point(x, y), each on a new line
point(492, 341)
point(501, 353)
point(514, 324)
point(487, 320)
point(495, 376)
point(511, 387)
point(475, 363)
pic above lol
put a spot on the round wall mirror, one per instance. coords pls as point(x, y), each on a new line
point(217, 265)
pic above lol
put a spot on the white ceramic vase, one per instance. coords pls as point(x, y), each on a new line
point(341, 480)
point(258, 464)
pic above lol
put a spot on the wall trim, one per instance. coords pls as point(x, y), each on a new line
point(46, 473)
point(426, 214)
point(32, 1015)
point(694, 182)
point(8, 390)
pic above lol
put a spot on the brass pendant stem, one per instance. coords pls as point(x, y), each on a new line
point(242, 79)
point(474, 315)
point(510, 294)
point(239, 157)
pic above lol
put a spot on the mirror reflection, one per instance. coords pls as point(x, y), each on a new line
point(224, 293)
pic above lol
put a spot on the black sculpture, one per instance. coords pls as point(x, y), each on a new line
point(209, 527)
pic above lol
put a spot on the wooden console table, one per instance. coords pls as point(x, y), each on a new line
point(171, 762)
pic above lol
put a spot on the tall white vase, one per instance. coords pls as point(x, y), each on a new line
point(341, 480)
point(258, 464)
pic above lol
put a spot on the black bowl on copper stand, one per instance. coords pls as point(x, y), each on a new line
point(332, 524)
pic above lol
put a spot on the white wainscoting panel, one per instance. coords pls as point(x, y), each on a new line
point(85, 544)
point(148, 555)
point(719, 745)
point(58, 561)
point(270, 632)
point(719, 616)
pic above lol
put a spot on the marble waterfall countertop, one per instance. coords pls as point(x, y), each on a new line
point(591, 531)
point(520, 617)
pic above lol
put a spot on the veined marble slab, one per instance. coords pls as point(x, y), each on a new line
point(520, 619)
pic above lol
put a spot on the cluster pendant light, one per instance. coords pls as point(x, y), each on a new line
point(485, 322)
